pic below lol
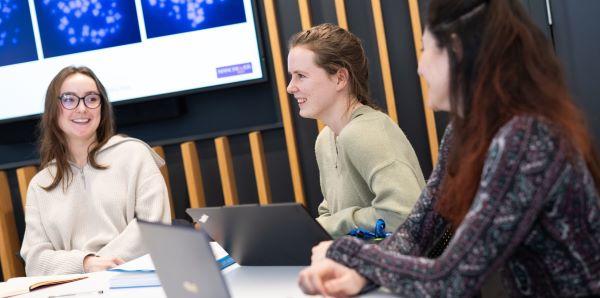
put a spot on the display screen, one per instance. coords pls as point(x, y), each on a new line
point(138, 48)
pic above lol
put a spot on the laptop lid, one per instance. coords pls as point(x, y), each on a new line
point(263, 235)
point(184, 261)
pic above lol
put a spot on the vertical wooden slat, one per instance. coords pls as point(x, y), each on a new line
point(260, 168)
point(9, 239)
point(226, 172)
point(24, 176)
point(384, 60)
point(320, 125)
point(305, 19)
point(165, 173)
point(340, 11)
point(284, 103)
point(193, 175)
point(415, 19)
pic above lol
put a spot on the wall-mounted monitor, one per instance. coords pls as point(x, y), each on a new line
point(138, 48)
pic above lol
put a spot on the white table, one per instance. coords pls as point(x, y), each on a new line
point(246, 281)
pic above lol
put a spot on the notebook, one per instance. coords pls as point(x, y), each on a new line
point(134, 279)
point(24, 285)
point(263, 235)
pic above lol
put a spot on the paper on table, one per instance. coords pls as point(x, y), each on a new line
point(218, 251)
point(145, 264)
point(141, 264)
point(226, 263)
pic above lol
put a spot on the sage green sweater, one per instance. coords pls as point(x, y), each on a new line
point(370, 171)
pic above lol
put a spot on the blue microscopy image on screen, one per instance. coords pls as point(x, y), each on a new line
point(166, 17)
point(17, 43)
point(74, 26)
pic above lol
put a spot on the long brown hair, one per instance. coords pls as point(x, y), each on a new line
point(501, 65)
point(53, 144)
point(337, 48)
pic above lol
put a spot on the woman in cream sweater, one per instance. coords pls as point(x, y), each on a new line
point(82, 206)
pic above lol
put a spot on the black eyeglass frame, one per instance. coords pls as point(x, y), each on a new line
point(79, 99)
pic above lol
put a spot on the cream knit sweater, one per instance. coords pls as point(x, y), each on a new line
point(97, 213)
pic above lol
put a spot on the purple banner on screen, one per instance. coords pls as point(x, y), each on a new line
point(233, 70)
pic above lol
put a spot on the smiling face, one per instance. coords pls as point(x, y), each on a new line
point(79, 124)
point(315, 90)
point(434, 67)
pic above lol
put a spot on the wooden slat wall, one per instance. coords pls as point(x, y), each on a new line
point(165, 173)
point(9, 240)
point(384, 60)
point(193, 175)
point(24, 176)
point(432, 136)
point(340, 6)
point(284, 103)
point(260, 168)
point(230, 193)
point(305, 18)
point(340, 10)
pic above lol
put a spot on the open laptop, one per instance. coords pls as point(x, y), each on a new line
point(267, 235)
point(184, 261)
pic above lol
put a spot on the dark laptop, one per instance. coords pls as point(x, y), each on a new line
point(267, 235)
point(184, 261)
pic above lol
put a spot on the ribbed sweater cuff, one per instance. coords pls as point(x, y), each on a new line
point(69, 261)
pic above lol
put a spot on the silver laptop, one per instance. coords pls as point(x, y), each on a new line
point(184, 261)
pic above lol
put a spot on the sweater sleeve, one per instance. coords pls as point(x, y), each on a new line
point(38, 252)
point(151, 204)
point(324, 211)
point(423, 225)
point(323, 208)
point(390, 177)
point(392, 202)
point(519, 175)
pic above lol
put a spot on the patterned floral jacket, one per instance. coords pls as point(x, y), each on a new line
point(535, 217)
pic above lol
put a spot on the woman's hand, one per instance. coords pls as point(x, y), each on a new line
point(93, 263)
point(329, 278)
point(319, 251)
point(197, 226)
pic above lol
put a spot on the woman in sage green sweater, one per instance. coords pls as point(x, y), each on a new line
point(368, 169)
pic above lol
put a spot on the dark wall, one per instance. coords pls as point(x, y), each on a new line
point(577, 41)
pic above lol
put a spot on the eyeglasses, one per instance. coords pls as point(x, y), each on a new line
point(71, 101)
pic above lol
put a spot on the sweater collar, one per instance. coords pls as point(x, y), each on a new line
point(364, 109)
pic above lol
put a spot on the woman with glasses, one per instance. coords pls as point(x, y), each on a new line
point(517, 181)
point(82, 205)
